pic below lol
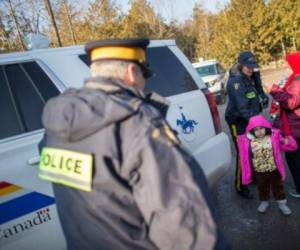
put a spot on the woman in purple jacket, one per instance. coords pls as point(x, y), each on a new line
point(260, 153)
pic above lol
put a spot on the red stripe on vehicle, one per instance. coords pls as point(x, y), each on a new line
point(4, 184)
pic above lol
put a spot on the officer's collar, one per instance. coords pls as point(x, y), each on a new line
point(112, 86)
point(158, 102)
point(245, 76)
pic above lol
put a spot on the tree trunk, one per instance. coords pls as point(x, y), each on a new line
point(51, 15)
point(70, 21)
point(16, 24)
point(5, 34)
point(251, 46)
point(283, 47)
point(294, 43)
point(36, 17)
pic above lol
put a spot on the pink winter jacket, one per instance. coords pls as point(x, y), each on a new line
point(277, 142)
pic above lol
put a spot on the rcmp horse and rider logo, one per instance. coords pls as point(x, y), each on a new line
point(188, 127)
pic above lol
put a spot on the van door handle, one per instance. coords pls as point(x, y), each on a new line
point(34, 160)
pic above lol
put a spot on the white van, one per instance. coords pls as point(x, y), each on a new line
point(28, 217)
point(214, 76)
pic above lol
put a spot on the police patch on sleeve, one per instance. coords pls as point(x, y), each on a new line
point(69, 168)
point(236, 86)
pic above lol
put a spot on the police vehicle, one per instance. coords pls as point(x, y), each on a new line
point(214, 76)
point(28, 216)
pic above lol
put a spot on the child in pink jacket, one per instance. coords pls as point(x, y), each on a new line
point(260, 153)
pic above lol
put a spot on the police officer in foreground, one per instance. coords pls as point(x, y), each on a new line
point(121, 178)
point(246, 98)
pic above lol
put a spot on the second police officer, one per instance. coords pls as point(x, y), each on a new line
point(246, 98)
point(121, 178)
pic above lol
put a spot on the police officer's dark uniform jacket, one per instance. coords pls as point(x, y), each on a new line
point(244, 100)
point(146, 193)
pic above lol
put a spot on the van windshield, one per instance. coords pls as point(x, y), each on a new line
point(206, 70)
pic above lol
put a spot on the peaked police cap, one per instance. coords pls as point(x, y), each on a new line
point(119, 49)
point(247, 59)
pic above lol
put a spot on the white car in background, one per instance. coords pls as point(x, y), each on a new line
point(214, 76)
point(28, 216)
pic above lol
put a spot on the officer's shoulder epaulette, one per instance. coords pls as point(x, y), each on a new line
point(162, 132)
point(233, 79)
point(149, 112)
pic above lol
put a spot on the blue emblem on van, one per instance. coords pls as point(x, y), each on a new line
point(187, 126)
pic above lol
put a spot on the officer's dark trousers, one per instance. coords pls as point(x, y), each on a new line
point(293, 161)
point(236, 129)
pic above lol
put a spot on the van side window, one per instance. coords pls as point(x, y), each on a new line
point(10, 124)
point(24, 90)
point(42, 82)
point(85, 59)
point(170, 76)
point(220, 69)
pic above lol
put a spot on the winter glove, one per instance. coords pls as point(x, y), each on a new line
point(265, 102)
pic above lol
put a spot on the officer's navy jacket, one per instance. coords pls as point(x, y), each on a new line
point(147, 192)
point(243, 98)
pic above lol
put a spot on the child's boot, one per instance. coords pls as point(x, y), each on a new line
point(262, 208)
point(282, 204)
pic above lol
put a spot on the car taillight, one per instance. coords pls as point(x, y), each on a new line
point(213, 109)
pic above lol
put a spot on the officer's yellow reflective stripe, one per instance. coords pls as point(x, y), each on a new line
point(126, 53)
point(238, 174)
point(66, 167)
point(238, 170)
point(234, 130)
point(251, 95)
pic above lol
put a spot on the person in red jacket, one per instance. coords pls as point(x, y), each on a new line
point(288, 120)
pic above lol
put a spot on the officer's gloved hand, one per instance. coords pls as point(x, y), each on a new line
point(265, 102)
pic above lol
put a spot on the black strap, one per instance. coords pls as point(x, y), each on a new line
point(119, 141)
point(118, 136)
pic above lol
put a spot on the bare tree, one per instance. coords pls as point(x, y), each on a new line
point(4, 33)
point(12, 11)
point(51, 15)
point(65, 3)
point(36, 18)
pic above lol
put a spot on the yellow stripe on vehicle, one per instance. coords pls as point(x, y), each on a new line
point(9, 189)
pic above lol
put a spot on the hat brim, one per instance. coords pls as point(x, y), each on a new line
point(252, 65)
